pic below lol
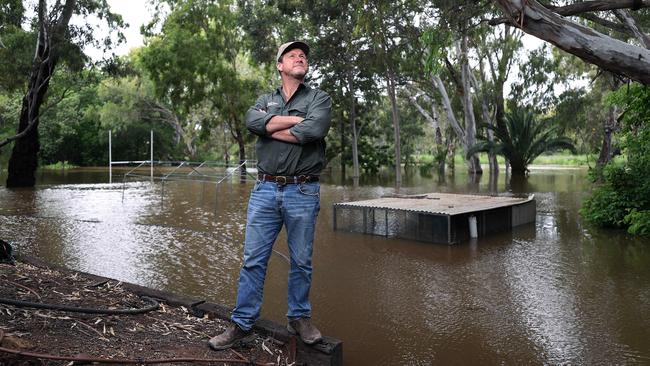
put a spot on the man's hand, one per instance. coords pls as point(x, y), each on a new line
point(278, 123)
point(284, 135)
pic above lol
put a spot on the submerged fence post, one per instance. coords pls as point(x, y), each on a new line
point(151, 146)
point(110, 158)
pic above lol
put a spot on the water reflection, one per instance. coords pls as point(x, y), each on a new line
point(557, 291)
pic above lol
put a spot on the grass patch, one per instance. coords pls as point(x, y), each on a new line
point(61, 165)
point(566, 159)
point(559, 159)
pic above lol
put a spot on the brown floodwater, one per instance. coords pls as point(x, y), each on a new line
point(554, 292)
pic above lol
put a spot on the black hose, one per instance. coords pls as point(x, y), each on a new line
point(38, 305)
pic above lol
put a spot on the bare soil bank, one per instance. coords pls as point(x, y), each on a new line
point(172, 334)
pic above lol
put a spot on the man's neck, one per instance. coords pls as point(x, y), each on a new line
point(289, 87)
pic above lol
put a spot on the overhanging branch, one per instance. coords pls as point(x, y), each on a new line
point(586, 7)
point(599, 49)
point(626, 18)
point(617, 27)
point(591, 6)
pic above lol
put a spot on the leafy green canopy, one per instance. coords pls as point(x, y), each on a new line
point(521, 139)
point(623, 199)
point(201, 68)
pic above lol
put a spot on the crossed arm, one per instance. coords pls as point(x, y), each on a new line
point(291, 129)
point(279, 127)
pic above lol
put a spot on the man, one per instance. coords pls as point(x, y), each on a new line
point(291, 124)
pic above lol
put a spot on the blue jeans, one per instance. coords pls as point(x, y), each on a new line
point(270, 206)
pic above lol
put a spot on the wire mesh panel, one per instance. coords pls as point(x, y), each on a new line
point(433, 228)
point(403, 225)
point(392, 223)
point(524, 213)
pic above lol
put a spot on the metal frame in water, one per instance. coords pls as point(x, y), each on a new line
point(206, 171)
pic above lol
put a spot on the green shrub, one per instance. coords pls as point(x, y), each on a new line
point(639, 222)
point(622, 199)
point(610, 202)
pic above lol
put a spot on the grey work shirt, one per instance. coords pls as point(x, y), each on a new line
point(307, 157)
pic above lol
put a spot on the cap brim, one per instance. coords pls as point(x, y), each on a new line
point(297, 44)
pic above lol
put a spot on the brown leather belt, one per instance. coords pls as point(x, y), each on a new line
point(287, 179)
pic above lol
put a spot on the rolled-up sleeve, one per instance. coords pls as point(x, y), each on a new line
point(317, 122)
point(257, 117)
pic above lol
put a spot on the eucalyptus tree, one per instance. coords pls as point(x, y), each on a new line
point(16, 47)
point(343, 62)
point(56, 40)
point(496, 51)
point(448, 57)
point(128, 107)
point(198, 61)
point(432, 115)
point(391, 32)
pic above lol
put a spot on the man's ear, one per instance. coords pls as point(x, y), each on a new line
point(279, 66)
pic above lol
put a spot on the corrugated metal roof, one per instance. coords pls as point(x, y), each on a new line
point(439, 203)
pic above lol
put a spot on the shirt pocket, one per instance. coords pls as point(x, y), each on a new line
point(274, 109)
point(298, 110)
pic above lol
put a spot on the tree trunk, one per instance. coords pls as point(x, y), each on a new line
point(446, 105)
point(610, 124)
point(342, 132)
point(473, 164)
point(187, 135)
point(433, 119)
point(242, 154)
point(608, 130)
point(450, 155)
point(631, 23)
point(492, 158)
point(24, 156)
point(451, 118)
point(493, 184)
point(226, 153)
point(441, 150)
point(353, 124)
point(591, 46)
point(395, 116)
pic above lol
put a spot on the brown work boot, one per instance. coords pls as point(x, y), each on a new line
point(232, 336)
point(308, 332)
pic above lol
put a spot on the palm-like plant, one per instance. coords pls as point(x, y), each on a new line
point(521, 139)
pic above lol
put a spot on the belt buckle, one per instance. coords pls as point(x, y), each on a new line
point(281, 180)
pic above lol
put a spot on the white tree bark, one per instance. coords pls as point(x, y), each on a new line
point(473, 164)
point(594, 47)
point(390, 79)
point(446, 105)
point(485, 112)
point(353, 124)
point(432, 117)
point(188, 134)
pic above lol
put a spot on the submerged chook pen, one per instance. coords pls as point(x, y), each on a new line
point(434, 217)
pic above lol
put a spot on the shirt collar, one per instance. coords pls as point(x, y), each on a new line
point(302, 86)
